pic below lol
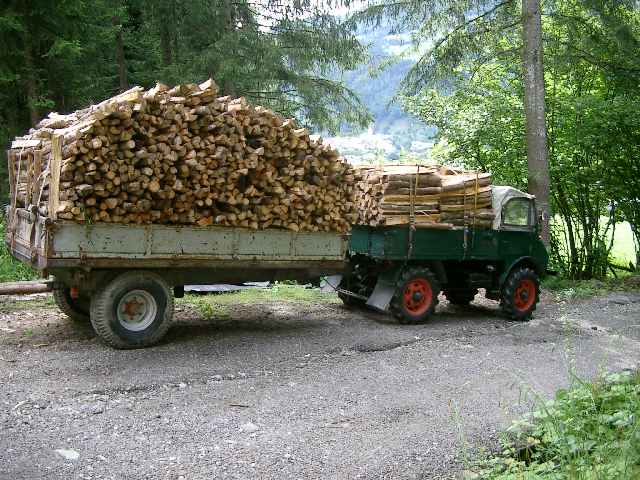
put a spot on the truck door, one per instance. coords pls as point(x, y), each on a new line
point(518, 228)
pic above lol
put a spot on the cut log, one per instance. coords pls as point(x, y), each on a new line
point(424, 196)
point(183, 155)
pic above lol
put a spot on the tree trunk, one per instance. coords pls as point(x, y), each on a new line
point(534, 107)
point(31, 86)
point(122, 66)
point(166, 11)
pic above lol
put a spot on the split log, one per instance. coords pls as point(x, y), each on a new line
point(433, 195)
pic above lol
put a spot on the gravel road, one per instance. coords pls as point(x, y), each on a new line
point(291, 390)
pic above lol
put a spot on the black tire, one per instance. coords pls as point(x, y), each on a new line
point(76, 309)
point(405, 304)
point(520, 294)
point(148, 296)
point(460, 297)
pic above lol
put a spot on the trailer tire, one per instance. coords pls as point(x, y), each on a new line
point(134, 310)
point(460, 297)
point(416, 296)
point(520, 294)
point(76, 309)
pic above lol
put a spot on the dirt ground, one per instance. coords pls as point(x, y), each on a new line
point(290, 390)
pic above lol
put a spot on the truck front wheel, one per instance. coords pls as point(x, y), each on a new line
point(416, 296)
point(520, 294)
point(133, 310)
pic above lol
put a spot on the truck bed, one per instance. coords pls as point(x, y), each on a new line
point(66, 245)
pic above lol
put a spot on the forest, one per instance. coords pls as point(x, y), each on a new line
point(298, 58)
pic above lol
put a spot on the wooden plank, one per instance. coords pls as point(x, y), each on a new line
point(54, 176)
point(36, 178)
point(11, 157)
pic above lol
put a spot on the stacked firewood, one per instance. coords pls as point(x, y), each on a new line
point(430, 196)
point(182, 155)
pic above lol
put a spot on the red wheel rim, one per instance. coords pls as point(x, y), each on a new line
point(417, 296)
point(525, 295)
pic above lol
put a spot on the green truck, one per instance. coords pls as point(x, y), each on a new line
point(123, 278)
point(403, 269)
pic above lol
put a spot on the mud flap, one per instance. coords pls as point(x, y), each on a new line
point(385, 289)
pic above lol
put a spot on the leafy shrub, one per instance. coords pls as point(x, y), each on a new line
point(588, 432)
point(11, 270)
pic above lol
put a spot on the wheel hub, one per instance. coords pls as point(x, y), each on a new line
point(136, 310)
point(525, 295)
point(417, 296)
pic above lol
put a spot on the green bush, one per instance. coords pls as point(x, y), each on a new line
point(591, 431)
point(567, 288)
point(11, 270)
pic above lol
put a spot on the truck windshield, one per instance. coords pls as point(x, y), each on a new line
point(517, 212)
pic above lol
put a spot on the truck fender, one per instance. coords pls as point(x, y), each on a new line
point(525, 261)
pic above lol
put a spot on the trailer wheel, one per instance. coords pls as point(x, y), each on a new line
point(416, 296)
point(460, 297)
point(76, 309)
point(520, 294)
point(134, 310)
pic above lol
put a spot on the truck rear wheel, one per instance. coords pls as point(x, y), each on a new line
point(76, 309)
point(416, 296)
point(133, 310)
point(520, 294)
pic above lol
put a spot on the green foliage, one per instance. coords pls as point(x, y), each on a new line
point(589, 432)
point(12, 270)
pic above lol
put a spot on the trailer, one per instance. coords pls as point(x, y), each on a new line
point(123, 278)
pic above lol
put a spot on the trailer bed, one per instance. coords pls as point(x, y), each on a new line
point(48, 245)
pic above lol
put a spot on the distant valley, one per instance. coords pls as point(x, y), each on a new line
point(394, 135)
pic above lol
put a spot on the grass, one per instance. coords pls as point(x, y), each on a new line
point(8, 306)
point(623, 247)
point(11, 270)
point(588, 432)
point(566, 288)
point(219, 306)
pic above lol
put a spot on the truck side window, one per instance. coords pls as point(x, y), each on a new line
point(517, 213)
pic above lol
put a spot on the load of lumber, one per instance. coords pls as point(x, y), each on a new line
point(182, 155)
point(425, 195)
